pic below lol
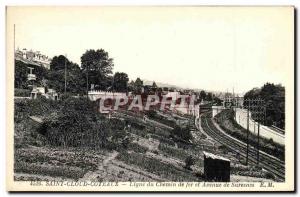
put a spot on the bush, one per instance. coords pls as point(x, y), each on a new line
point(182, 133)
point(173, 152)
point(155, 166)
point(189, 161)
point(75, 123)
point(137, 148)
point(22, 92)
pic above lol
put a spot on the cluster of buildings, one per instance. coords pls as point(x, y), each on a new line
point(32, 57)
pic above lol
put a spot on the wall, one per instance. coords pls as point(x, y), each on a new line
point(241, 119)
point(94, 95)
point(216, 110)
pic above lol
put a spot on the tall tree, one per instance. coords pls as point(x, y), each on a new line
point(202, 94)
point(274, 97)
point(138, 85)
point(60, 69)
point(120, 82)
point(59, 62)
point(98, 66)
point(131, 86)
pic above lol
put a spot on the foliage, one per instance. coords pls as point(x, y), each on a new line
point(76, 125)
point(98, 66)
point(137, 148)
point(22, 92)
point(189, 161)
point(22, 70)
point(151, 114)
point(120, 81)
point(202, 95)
point(274, 97)
point(60, 69)
point(226, 121)
point(183, 133)
point(138, 85)
point(155, 166)
point(173, 152)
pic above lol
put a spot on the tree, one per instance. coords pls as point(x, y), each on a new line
point(120, 82)
point(21, 72)
point(61, 68)
point(131, 86)
point(202, 95)
point(274, 97)
point(59, 62)
point(154, 86)
point(209, 96)
point(138, 85)
point(98, 67)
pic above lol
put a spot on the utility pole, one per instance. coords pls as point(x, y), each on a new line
point(14, 44)
point(65, 74)
point(258, 113)
point(87, 82)
point(258, 143)
point(247, 132)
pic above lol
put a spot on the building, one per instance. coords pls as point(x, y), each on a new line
point(32, 57)
point(40, 91)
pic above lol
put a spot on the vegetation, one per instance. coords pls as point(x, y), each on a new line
point(155, 166)
point(182, 133)
point(274, 97)
point(22, 70)
point(189, 161)
point(67, 163)
point(120, 82)
point(226, 121)
point(22, 92)
point(172, 152)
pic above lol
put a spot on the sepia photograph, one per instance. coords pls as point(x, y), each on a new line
point(150, 98)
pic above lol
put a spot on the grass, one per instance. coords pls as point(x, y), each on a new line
point(173, 152)
point(71, 164)
point(155, 166)
point(50, 170)
point(137, 148)
point(181, 154)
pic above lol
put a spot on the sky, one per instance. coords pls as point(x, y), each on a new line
point(211, 48)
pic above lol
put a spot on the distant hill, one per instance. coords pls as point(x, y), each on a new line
point(160, 84)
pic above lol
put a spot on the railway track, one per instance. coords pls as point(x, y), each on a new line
point(267, 162)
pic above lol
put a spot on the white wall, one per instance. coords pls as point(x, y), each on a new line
point(241, 119)
point(216, 110)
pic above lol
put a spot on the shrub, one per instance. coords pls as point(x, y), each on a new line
point(269, 175)
point(22, 92)
point(182, 133)
point(189, 161)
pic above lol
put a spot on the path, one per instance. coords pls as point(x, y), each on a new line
point(102, 168)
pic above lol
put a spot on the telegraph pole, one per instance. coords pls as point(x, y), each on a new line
point(258, 143)
point(87, 82)
point(65, 74)
point(247, 132)
point(258, 113)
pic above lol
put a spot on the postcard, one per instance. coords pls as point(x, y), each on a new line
point(150, 98)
